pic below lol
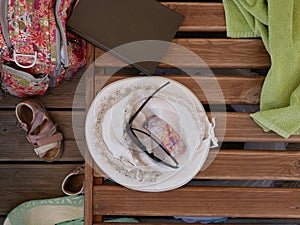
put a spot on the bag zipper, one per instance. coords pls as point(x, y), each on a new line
point(4, 25)
point(63, 37)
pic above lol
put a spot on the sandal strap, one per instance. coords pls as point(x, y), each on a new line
point(54, 138)
point(42, 150)
point(35, 138)
point(37, 121)
point(47, 144)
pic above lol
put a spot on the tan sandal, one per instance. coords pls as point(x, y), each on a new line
point(41, 130)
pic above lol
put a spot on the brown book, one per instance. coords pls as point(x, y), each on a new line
point(109, 24)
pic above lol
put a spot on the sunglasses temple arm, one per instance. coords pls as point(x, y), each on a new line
point(135, 138)
point(161, 146)
point(145, 102)
point(152, 156)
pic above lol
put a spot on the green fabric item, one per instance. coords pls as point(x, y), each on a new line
point(277, 22)
point(47, 211)
point(67, 210)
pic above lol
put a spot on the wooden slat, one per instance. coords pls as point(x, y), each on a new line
point(21, 183)
point(15, 147)
point(248, 91)
point(117, 223)
point(200, 16)
point(253, 165)
point(246, 222)
point(240, 127)
point(89, 75)
point(180, 222)
point(58, 97)
point(88, 190)
point(195, 201)
point(205, 88)
point(216, 53)
point(224, 53)
point(88, 170)
point(249, 165)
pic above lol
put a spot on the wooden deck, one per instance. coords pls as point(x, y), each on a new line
point(23, 176)
point(207, 22)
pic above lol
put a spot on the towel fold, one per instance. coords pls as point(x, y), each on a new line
point(278, 24)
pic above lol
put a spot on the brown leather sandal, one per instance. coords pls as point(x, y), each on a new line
point(41, 130)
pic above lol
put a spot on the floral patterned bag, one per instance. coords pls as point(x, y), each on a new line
point(22, 84)
point(34, 41)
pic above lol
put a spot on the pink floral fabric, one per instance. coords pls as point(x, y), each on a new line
point(32, 29)
point(22, 84)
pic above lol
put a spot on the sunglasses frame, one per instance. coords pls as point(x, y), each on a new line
point(131, 133)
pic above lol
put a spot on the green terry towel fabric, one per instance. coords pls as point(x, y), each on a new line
point(277, 22)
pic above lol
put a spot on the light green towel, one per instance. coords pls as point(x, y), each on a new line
point(277, 22)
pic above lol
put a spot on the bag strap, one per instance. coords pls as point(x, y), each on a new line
point(24, 16)
point(4, 24)
point(15, 51)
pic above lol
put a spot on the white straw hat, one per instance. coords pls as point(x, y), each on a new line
point(121, 160)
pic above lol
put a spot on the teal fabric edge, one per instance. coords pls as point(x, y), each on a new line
point(19, 212)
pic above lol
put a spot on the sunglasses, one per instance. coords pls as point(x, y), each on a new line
point(132, 133)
